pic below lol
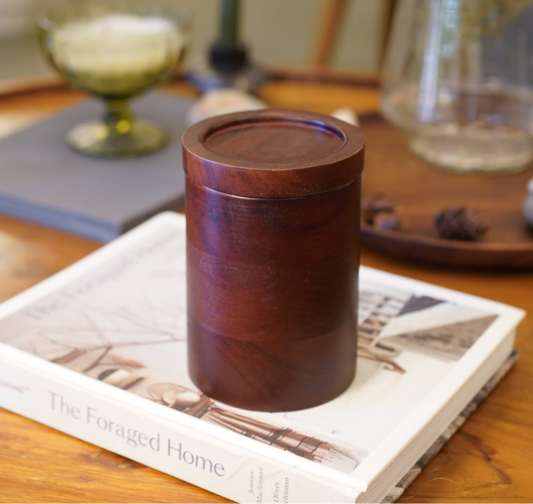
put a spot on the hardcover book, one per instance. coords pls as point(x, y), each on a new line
point(46, 182)
point(99, 351)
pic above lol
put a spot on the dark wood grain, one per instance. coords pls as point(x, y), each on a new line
point(256, 269)
point(273, 154)
point(421, 191)
point(257, 266)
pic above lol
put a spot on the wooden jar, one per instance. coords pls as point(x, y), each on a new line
point(273, 213)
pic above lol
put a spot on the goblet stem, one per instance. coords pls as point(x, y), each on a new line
point(118, 117)
point(118, 134)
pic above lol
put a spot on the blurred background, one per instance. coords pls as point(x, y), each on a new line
point(338, 34)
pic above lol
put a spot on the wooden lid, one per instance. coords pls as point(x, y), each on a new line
point(273, 153)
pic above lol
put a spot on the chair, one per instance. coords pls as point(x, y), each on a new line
point(332, 15)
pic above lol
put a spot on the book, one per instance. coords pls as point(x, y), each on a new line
point(46, 182)
point(99, 351)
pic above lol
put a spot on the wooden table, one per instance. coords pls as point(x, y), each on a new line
point(488, 460)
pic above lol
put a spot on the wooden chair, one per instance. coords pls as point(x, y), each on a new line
point(332, 16)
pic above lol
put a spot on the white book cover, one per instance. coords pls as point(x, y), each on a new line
point(99, 351)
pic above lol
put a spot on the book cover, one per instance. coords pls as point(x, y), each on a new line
point(46, 182)
point(99, 351)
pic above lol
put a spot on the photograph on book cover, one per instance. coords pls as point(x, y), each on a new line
point(124, 324)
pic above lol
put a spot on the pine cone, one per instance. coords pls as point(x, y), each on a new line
point(461, 223)
point(376, 205)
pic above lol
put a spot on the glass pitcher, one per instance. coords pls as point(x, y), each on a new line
point(458, 78)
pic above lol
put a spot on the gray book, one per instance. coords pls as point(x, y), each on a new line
point(42, 180)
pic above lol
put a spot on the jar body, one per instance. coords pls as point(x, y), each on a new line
point(272, 296)
point(457, 79)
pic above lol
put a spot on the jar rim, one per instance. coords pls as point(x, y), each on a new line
point(273, 153)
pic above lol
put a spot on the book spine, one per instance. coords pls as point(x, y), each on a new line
point(169, 447)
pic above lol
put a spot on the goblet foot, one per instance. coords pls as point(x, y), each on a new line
point(97, 139)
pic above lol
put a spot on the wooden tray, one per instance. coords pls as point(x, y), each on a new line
point(421, 191)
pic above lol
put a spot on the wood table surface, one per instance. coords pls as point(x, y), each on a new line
point(489, 460)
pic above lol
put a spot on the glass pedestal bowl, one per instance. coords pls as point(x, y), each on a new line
point(114, 51)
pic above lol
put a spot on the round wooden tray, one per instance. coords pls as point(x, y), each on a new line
point(421, 191)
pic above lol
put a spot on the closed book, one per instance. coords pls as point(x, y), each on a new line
point(99, 351)
point(47, 182)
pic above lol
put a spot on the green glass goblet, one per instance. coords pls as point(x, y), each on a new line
point(114, 50)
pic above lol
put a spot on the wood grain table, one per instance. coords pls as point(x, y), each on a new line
point(489, 460)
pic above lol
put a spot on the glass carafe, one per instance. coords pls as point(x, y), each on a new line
point(458, 78)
